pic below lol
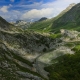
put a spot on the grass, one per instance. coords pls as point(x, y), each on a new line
point(58, 35)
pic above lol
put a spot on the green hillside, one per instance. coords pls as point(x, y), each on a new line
point(45, 26)
point(66, 67)
point(42, 25)
point(70, 20)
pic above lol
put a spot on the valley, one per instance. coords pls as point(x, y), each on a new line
point(48, 49)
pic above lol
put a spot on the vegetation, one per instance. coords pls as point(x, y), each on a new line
point(65, 20)
point(70, 20)
point(58, 35)
point(46, 25)
point(66, 67)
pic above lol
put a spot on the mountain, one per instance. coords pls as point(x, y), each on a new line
point(32, 54)
point(46, 25)
point(22, 24)
point(42, 19)
point(70, 20)
point(19, 51)
point(4, 25)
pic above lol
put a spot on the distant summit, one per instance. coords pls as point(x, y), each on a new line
point(21, 22)
point(71, 5)
point(42, 19)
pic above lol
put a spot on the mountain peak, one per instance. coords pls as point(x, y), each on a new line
point(42, 19)
point(71, 5)
point(69, 20)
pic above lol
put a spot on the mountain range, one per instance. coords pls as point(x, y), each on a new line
point(67, 19)
point(49, 49)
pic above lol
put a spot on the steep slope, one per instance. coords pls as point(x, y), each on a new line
point(21, 50)
point(4, 25)
point(45, 26)
point(18, 53)
point(70, 20)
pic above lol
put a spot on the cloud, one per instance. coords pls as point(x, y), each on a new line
point(59, 5)
point(4, 9)
point(35, 10)
point(35, 13)
point(12, 0)
point(12, 15)
point(35, 5)
point(49, 9)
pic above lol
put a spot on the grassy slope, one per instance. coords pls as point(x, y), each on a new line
point(70, 20)
point(46, 26)
point(40, 26)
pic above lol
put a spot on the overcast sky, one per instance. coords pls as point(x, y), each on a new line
point(13, 10)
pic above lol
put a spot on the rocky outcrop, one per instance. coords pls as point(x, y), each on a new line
point(70, 35)
point(21, 49)
point(22, 24)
